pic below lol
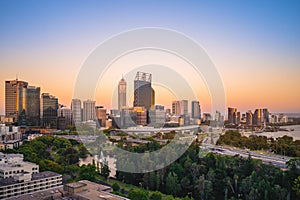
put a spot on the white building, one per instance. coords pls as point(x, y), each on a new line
point(89, 110)
point(18, 177)
point(10, 137)
point(76, 111)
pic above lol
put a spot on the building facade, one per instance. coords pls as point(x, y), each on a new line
point(49, 106)
point(122, 94)
point(143, 91)
point(76, 111)
point(12, 89)
point(89, 110)
point(18, 177)
point(196, 110)
point(29, 106)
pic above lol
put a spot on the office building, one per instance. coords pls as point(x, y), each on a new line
point(176, 108)
point(89, 110)
point(101, 115)
point(266, 114)
point(12, 89)
point(157, 118)
point(10, 137)
point(49, 106)
point(18, 177)
point(143, 92)
point(232, 115)
point(196, 110)
point(258, 117)
point(29, 106)
point(184, 107)
point(249, 117)
point(76, 111)
point(64, 118)
point(122, 94)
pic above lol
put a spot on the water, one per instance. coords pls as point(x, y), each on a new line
point(295, 134)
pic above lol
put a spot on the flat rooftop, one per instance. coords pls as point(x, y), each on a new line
point(41, 175)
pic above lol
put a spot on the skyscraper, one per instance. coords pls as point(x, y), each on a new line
point(176, 108)
point(29, 106)
point(49, 106)
point(196, 110)
point(249, 117)
point(76, 111)
point(122, 94)
point(89, 110)
point(101, 115)
point(143, 92)
point(232, 115)
point(184, 107)
point(66, 113)
point(12, 89)
point(258, 118)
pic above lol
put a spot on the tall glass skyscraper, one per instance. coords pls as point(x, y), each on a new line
point(12, 94)
point(49, 106)
point(143, 92)
point(29, 106)
point(196, 111)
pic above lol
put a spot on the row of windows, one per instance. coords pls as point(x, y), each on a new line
point(15, 192)
point(30, 184)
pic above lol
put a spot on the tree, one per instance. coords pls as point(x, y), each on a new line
point(172, 186)
point(104, 171)
point(88, 172)
point(156, 196)
point(136, 194)
point(116, 187)
point(296, 186)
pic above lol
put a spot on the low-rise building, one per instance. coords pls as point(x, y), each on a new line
point(18, 177)
point(10, 137)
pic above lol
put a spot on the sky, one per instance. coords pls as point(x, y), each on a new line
point(255, 45)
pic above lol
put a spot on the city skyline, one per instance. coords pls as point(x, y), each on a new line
point(256, 54)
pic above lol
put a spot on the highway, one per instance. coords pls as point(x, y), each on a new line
point(276, 160)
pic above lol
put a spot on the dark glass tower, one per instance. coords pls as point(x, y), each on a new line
point(143, 93)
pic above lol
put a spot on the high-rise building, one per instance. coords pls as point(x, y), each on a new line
point(231, 117)
point(66, 113)
point(157, 118)
point(152, 98)
point(49, 106)
point(101, 115)
point(76, 111)
point(29, 106)
point(258, 118)
point(266, 114)
point(249, 117)
point(122, 94)
point(236, 118)
point(12, 89)
point(89, 110)
point(143, 92)
point(184, 107)
point(176, 108)
point(196, 110)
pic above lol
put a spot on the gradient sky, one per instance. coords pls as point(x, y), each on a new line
point(254, 44)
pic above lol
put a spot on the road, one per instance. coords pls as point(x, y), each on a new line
point(276, 160)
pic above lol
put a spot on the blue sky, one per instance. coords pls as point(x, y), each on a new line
point(250, 39)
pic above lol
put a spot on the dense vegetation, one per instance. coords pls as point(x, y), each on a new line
point(59, 155)
point(219, 177)
point(282, 145)
point(192, 175)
